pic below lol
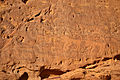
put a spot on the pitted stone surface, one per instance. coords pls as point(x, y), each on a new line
point(59, 39)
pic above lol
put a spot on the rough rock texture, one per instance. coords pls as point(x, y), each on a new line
point(59, 39)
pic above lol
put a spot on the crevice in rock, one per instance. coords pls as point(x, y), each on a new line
point(19, 8)
point(8, 37)
point(94, 64)
point(24, 76)
point(83, 67)
point(60, 63)
point(106, 58)
point(4, 71)
point(38, 14)
point(20, 67)
point(28, 20)
point(46, 73)
point(24, 1)
point(17, 71)
point(2, 0)
point(89, 66)
point(1, 19)
point(26, 29)
point(47, 11)
point(117, 57)
point(41, 20)
point(2, 30)
point(84, 72)
point(96, 61)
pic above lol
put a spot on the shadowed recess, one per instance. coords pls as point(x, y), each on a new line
point(24, 76)
point(1, 19)
point(106, 58)
point(1, 0)
point(117, 57)
point(47, 72)
point(24, 1)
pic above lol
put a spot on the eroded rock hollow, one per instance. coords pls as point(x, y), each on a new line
point(59, 39)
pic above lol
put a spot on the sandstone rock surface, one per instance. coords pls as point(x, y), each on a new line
point(59, 39)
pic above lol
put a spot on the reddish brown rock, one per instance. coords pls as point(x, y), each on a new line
point(59, 40)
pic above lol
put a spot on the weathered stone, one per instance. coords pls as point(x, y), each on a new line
point(59, 40)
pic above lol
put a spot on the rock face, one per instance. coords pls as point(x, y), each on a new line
point(59, 39)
